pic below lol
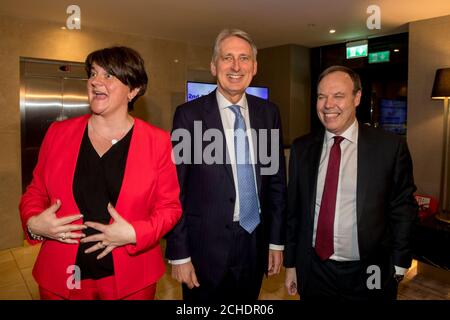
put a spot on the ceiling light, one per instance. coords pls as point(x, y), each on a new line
point(332, 31)
point(396, 50)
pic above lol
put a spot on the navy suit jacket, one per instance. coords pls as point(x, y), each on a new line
point(386, 208)
point(208, 194)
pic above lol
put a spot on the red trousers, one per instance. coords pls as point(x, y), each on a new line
point(101, 289)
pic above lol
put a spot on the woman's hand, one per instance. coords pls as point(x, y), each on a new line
point(47, 225)
point(114, 235)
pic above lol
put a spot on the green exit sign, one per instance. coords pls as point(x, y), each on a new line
point(356, 49)
point(357, 52)
point(376, 57)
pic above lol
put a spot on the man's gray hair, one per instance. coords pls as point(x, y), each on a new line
point(226, 33)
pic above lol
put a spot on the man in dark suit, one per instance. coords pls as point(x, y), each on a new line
point(231, 230)
point(350, 202)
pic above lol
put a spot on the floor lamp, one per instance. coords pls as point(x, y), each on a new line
point(441, 90)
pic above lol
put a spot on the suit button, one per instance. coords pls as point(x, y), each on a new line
point(231, 200)
point(227, 226)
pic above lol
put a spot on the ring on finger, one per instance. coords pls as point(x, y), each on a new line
point(102, 245)
point(63, 236)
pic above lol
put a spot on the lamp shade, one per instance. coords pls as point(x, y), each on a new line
point(441, 85)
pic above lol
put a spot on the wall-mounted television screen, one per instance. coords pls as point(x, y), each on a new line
point(195, 90)
point(393, 116)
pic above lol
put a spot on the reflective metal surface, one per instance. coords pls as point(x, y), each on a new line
point(49, 91)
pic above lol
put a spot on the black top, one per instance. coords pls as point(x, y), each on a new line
point(96, 182)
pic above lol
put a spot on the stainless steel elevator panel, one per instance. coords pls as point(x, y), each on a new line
point(50, 91)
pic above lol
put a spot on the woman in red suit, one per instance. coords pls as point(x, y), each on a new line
point(104, 192)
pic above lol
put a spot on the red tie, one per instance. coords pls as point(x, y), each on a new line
point(325, 224)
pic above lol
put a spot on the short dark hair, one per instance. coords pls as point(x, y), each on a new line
point(125, 64)
point(352, 74)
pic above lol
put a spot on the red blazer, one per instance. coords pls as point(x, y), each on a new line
point(148, 199)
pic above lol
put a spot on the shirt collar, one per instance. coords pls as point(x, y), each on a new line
point(351, 134)
point(224, 103)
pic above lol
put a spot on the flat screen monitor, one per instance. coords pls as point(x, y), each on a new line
point(195, 90)
point(393, 116)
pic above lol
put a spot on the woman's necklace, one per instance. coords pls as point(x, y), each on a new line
point(113, 141)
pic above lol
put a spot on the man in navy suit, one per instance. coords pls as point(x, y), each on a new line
point(351, 206)
point(231, 231)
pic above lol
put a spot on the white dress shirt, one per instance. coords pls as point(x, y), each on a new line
point(345, 223)
point(228, 118)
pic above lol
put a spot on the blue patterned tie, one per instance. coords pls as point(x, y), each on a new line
point(248, 197)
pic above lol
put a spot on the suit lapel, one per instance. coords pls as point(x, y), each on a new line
point(313, 159)
point(212, 120)
point(256, 123)
point(363, 171)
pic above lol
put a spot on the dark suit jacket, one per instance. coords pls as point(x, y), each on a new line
point(208, 194)
point(386, 208)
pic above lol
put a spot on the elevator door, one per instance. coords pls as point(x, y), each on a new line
point(50, 91)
